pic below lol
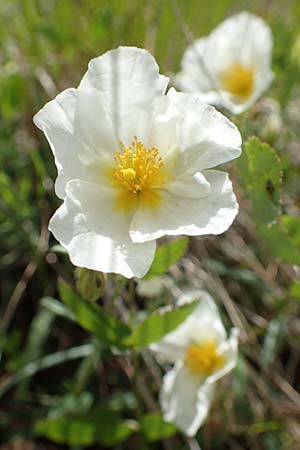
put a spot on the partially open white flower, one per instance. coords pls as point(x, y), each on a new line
point(134, 164)
point(232, 66)
point(202, 354)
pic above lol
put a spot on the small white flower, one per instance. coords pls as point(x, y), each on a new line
point(232, 66)
point(134, 164)
point(202, 354)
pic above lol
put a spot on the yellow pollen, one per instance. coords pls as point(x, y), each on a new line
point(138, 168)
point(238, 80)
point(128, 174)
point(204, 359)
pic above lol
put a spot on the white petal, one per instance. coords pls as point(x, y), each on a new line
point(185, 123)
point(229, 349)
point(129, 79)
point(177, 215)
point(95, 234)
point(218, 140)
point(243, 38)
point(203, 324)
point(93, 126)
point(197, 73)
point(163, 131)
point(193, 187)
point(56, 120)
point(261, 85)
point(248, 39)
point(183, 400)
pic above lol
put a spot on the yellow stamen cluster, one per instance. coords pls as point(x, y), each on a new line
point(204, 358)
point(138, 168)
point(238, 80)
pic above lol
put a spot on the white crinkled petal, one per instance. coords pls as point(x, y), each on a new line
point(56, 120)
point(195, 186)
point(217, 138)
point(229, 349)
point(177, 215)
point(129, 79)
point(163, 130)
point(186, 121)
point(183, 400)
point(203, 324)
point(95, 234)
point(192, 136)
point(197, 74)
point(243, 38)
point(93, 127)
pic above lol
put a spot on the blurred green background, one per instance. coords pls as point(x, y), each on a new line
point(45, 46)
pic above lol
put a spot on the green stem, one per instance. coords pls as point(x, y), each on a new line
point(131, 302)
point(134, 354)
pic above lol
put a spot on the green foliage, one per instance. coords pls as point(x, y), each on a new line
point(160, 323)
point(295, 290)
point(47, 370)
point(46, 362)
point(154, 428)
point(89, 283)
point(100, 426)
point(272, 341)
point(260, 171)
point(283, 239)
point(167, 255)
point(107, 328)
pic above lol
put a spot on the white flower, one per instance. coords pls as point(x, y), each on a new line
point(232, 66)
point(202, 354)
point(134, 164)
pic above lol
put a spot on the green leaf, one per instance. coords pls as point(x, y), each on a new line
point(260, 171)
point(272, 341)
point(160, 323)
point(46, 362)
point(283, 239)
point(294, 290)
point(291, 225)
point(100, 426)
point(165, 256)
point(89, 283)
point(241, 376)
point(154, 428)
point(107, 328)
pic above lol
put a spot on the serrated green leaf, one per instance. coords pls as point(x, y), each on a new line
point(283, 239)
point(260, 171)
point(291, 225)
point(90, 284)
point(165, 256)
point(107, 328)
point(154, 428)
point(101, 426)
point(294, 290)
point(160, 323)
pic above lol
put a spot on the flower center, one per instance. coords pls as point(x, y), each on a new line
point(204, 358)
point(238, 80)
point(138, 168)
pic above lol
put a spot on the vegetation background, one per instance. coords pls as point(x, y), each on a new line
point(50, 367)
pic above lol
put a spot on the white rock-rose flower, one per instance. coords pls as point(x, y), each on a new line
point(134, 164)
point(232, 66)
point(201, 354)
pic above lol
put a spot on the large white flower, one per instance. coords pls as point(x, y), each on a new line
point(232, 66)
point(201, 354)
point(134, 164)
